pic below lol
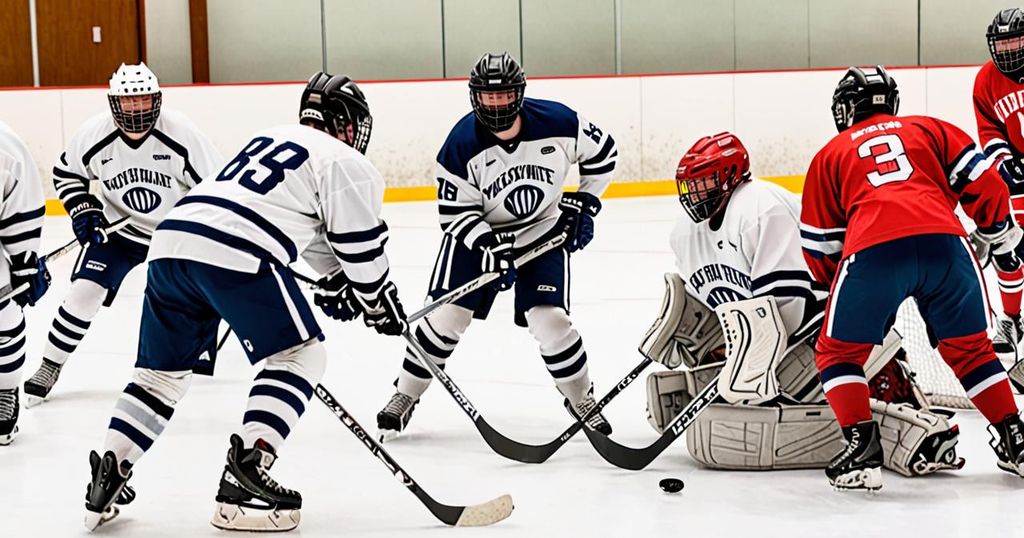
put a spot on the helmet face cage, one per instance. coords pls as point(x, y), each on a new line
point(702, 196)
point(497, 118)
point(356, 133)
point(129, 113)
point(1006, 41)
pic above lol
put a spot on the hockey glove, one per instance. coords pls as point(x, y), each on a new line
point(384, 313)
point(1002, 238)
point(27, 268)
point(497, 257)
point(578, 211)
point(335, 298)
point(1012, 171)
point(88, 221)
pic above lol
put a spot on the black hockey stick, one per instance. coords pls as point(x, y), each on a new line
point(476, 515)
point(635, 459)
point(8, 291)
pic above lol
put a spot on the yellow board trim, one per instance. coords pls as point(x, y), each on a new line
point(615, 190)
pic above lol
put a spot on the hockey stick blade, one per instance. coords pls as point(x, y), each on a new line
point(476, 515)
point(635, 459)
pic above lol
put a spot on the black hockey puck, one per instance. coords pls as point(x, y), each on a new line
point(671, 485)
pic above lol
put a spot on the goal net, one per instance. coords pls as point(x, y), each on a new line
point(933, 375)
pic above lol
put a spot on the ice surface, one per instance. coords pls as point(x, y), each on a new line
point(616, 291)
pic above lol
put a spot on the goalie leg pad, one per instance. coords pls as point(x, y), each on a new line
point(755, 340)
point(685, 330)
point(668, 393)
point(753, 438)
point(916, 442)
point(798, 375)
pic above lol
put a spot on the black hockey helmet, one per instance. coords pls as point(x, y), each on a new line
point(336, 104)
point(497, 73)
point(1006, 42)
point(863, 92)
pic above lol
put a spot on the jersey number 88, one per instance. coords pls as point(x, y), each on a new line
point(284, 156)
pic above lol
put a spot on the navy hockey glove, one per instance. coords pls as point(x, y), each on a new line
point(497, 257)
point(384, 313)
point(335, 298)
point(88, 221)
point(27, 268)
point(578, 212)
point(1012, 171)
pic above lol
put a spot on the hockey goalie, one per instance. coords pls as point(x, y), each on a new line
point(743, 311)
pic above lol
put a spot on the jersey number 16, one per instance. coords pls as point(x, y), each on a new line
point(284, 156)
point(891, 162)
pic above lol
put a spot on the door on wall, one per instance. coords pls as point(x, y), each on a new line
point(15, 44)
point(81, 42)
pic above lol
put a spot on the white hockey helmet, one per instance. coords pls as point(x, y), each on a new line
point(128, 86)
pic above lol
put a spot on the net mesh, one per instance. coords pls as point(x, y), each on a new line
point(936, 379)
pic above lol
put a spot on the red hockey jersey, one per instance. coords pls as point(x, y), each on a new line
point(999, 109)
point(889, 177)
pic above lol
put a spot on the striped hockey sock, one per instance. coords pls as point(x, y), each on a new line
point(277, 400)
point(846, 389)
point(139, 418)
point(66, 333)
point(1010, 286)
point(414, 378)
point(988, 387)
point(12, 355)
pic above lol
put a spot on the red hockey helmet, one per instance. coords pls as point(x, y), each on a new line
point(709, 172)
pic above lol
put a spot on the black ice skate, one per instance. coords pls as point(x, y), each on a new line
point(107, 489)
point(248, 498)
point(1008, 442)
point(938, 453)
point(1007, 338)
point(859, 465)
point(38, 387)
point(395, 416)
point(597, 422)
point(8, 416)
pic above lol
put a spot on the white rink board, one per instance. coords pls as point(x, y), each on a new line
point(783, 117)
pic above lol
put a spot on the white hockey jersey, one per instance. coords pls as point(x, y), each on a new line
point(140, 179)
point(293, 190)
point(22, 207)
point(485, 184)
point(751, 249)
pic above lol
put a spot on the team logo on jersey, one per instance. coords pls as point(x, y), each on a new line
point(161, 157)
point(524, 200)
point(105, 161)
point(547, 150)
point(141, 199)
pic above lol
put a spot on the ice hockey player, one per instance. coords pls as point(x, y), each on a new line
point(144, 158)
point(997, 108)
point(739, 247)
point(500, 176)
point(223, 253)
point(21, 224)
point(877, 224)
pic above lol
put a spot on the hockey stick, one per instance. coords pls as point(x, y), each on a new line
point(476, 515)
point(8, 291)
point(466, 288)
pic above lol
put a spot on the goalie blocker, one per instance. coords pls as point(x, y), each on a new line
point(791, 430)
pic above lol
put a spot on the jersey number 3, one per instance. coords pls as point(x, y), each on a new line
point(284, 156)
point(891, 163)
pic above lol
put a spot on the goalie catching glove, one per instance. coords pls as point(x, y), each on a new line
point(685, 332)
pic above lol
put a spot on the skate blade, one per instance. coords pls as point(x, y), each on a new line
point(488, 513)
point(864, 480)
point(31, 401)
point(1011, 468)
point(9, 438)
point(95, 519)
point(386, 436)
point(232, 517)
